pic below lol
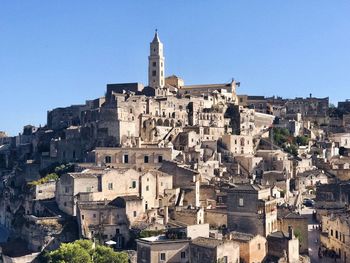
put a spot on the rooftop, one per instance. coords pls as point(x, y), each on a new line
point(208, 242)
point(241, 236)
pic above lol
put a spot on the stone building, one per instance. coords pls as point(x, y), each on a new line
point(110, 220)
point(335, 234)
point(252, 248)
point(251, 209)
point(207, 250)
point(285, 247)
point(136, 158)
point(299, 223)
point(99, 185)
point(173, 246)
point(239, 144)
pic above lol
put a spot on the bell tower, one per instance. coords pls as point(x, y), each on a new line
point(156, 72)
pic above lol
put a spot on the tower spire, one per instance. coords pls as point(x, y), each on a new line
point(156, 73)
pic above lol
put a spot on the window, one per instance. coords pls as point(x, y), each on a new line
point(240, 202)
point(66, 189)
point(94, 215)
point(259, 246)
point(126, 158)
point(108, 159)
point(145, 159)
point(162, 256)
point(154, 73)
point(110, 186)
point(135, 213)
point(65, 204)
point(147, 188)
point(82, 217)
point(133, 184)
point(160, 159)
point(154, 64)
point(183, 254)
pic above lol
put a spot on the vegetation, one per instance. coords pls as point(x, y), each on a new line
point(150, 233)
point(298, 235)
point(83, 251)
point(52, 173)
point(289, 143)
point(46, 179)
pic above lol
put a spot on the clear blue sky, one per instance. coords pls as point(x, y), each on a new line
point(62, 52)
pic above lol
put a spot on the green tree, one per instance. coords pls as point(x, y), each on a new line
point(69, 253)
point(103, 254)
point(298, 234)
point(302, 140)
point(83, 251)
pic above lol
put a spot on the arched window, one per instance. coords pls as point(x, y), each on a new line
point(242, 141)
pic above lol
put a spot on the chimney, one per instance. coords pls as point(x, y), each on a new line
point(166, 215)
point(290, 232)
point(197, 192)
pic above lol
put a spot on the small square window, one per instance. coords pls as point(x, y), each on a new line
point(154, 64)
point(160, 159)
point(154, 73)
point(145, 159)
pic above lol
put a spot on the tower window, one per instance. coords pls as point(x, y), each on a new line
point(154, 64)
point(154, 73)
point(161, 73)
point(126, 158)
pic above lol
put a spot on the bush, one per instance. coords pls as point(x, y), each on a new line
point(46, 179)
point(83, 251)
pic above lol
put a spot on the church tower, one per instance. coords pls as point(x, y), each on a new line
point(156, 72)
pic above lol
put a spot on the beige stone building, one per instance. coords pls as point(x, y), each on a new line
point(252, 248)
point(144, 158)
point(335, 234)
point(99, 185)
point(239, 144)
point(173, 246)
point(207, 250)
